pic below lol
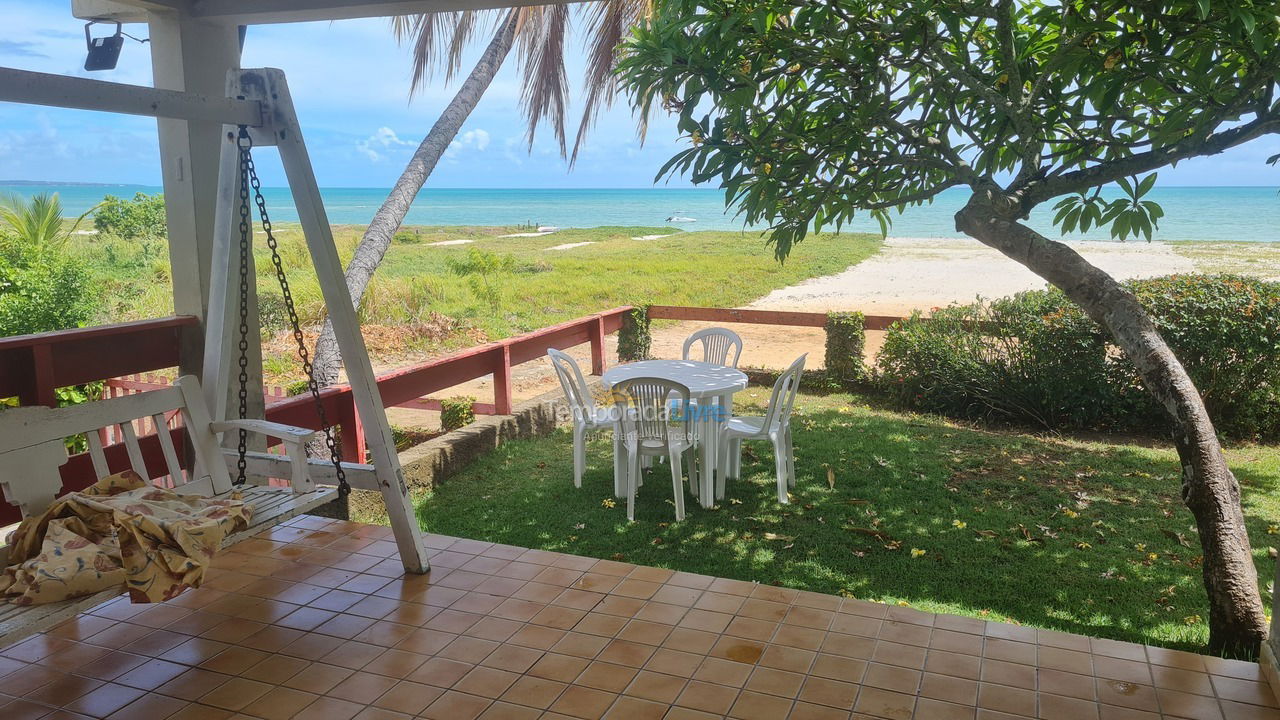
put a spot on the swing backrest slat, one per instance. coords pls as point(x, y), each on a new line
point(33, 443)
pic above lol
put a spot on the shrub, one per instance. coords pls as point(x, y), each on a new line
point(1036, 358)
point(1226, 331)
point(1029, 358)
point(485, 271)
point(273, 315)
point(846, 339)
point(42, 292)
point(143, 217)
point(456, 412)
point(633, 337)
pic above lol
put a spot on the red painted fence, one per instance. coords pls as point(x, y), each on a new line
point(33, 366)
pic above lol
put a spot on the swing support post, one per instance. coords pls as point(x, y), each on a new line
point(280, 128)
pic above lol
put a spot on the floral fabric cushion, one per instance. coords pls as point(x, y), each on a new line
point(120, 531)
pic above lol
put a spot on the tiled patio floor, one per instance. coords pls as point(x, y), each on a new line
point(316, 620)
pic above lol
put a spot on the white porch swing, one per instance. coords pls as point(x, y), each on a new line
point(258, 110)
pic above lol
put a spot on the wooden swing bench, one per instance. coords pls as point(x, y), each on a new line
point(33, 448)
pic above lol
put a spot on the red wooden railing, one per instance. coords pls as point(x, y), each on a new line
point(759, 317)
point(32, 367)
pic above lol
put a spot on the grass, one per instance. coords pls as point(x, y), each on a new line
point(1076, 535)
point(416, 303)
point(1258, 259)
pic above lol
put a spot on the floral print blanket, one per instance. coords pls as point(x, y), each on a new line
point(120, 532)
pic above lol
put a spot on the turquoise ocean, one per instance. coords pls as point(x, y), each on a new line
point(1250, 214)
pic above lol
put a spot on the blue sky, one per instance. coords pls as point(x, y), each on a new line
point(350, 81)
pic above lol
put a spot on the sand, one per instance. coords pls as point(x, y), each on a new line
point(907, 274)
point(922, 273)
point(570, 246)
point(449, 242)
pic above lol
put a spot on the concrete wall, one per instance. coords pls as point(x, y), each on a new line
point(430, 463)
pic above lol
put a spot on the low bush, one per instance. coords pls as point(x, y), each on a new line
point(142, 218)
point(1036, 358)
point(634, 339)
point(456, 412)
point(846, 339)
point(1226, 331)
point(42, 291)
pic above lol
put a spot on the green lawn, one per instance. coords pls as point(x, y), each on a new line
point(1082, 536)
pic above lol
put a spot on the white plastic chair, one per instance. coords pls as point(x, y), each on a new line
point(718, 345)
point(644, 408)
point(587, 415)
point(774, 426)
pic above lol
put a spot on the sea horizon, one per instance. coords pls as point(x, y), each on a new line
point(1246, 213)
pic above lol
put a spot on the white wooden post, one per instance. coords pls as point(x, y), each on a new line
point(269, 87)
point(192, 56)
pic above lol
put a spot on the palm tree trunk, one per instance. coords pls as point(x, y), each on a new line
point(377, 237)
point(1237, 624)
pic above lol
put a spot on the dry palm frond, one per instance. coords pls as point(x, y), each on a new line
point(439, 40)
point(541, 43)
point(607, 23)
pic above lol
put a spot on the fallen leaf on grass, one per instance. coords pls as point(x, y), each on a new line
point(917, 552)
point(986, 533)
point(831, 479)
point(773, 536)
point(1179, 537)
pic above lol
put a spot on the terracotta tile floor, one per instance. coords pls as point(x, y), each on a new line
point(315, 619)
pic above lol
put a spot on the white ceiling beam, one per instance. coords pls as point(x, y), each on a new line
point(258, 12)
point(35, 88)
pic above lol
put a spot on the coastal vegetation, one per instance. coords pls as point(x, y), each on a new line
point(430, 298)
point(807, 114)
point(1037, 360)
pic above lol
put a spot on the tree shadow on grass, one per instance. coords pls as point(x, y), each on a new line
point(1088, 538)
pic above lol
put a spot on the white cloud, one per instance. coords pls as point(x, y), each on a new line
point(378, 145)
point(472, 139)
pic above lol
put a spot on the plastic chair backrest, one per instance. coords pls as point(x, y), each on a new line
point(784, 393)
point(573, 383)
point(717, 344)
point(645, 406)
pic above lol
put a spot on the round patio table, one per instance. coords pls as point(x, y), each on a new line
point(710, 385)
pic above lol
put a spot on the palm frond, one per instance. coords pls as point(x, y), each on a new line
point(37, 221)
point(541, 44)
point(438, 40)
point(606, 24)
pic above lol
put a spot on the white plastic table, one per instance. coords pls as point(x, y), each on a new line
point(708, 383)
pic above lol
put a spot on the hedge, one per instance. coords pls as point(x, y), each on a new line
point(1035, 358)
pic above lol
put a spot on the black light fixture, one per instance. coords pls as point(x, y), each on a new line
point(104, 52)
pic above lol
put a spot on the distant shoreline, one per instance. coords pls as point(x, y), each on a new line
point(1242, 213)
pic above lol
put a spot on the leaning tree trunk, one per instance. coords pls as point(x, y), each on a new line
point(377, 237)
point(1237, 624)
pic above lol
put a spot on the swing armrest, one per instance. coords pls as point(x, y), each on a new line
point(294, 439)
point(287, 433)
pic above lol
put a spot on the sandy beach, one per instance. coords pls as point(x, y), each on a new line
point(907, 274)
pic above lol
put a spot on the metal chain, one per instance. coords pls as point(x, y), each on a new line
point(249, 178)
point(243, 392)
